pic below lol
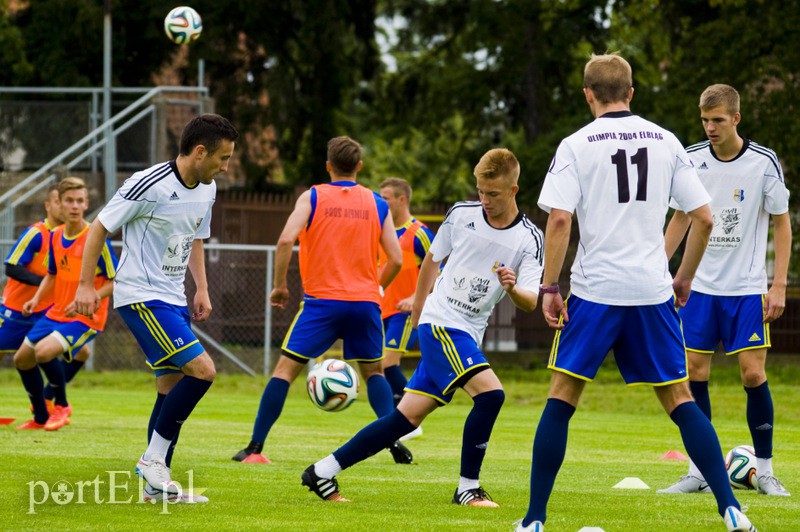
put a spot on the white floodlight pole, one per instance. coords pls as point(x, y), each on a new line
point(110, 150)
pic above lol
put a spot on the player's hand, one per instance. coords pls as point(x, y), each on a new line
point(774, 303)
point(28, 306)
point(682, 288)
point(202, 306)
point(555, 313)
point(86, 300)
point(405, 305)
point(70, 311)
point(507, 278)
point(279, 297)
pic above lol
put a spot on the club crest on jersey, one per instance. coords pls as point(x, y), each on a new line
point(738, 194)
point(478, 288)
point(197, 223)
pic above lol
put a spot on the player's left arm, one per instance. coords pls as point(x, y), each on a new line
point(776, 296)
point(197, 265)
point(556, 241)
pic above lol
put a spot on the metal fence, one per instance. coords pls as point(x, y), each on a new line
point(244, 333)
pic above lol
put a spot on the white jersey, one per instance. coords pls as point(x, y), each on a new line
point(160, 218)
point(618, 173)
point(745, 191)
point(467, 290)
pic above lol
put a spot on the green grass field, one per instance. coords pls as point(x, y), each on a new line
point(618, 432)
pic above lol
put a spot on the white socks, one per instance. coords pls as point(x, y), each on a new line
point(465, 484)
point(158, 446)
point(328, 467)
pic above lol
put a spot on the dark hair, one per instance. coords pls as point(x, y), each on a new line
point(209, 130)
point(344, 155)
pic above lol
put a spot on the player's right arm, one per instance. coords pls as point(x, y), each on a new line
point(86, 297)
point(21, 255)
point(283, 251)
point(428, 272)
point(696, 242)
point(676, 230)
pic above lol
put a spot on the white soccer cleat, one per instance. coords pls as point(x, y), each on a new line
point(769, 485)
point(688, 484)
point(154, 495)
point(156, 473)
point(413, 434)
point(736, 521)
point(536, 526)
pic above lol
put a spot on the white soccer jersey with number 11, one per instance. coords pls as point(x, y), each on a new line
point(745, 191)
point(160, 218)
point(618, 173)
point(467, 290)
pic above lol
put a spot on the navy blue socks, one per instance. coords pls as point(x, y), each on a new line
point(270, 408)
point(34, 385)
point(702, 444)
point(760, 419)
point(549, 448)
point(373, 438)
point(477, 430)
point(178, 404)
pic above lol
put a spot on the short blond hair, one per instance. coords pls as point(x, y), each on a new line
point(71, 183)
point(720, 95)
point(498, 163)
point(399, 185)
point(609, 77)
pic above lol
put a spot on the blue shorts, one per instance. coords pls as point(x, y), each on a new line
point(447, 356)
point(736, 321)
point(164, 333)
point(320, 322)
point(398, 333)
point(647, 342)
point(72, 334)
point(14, 327)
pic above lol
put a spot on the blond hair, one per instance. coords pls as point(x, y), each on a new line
point(498, 163)
point(399, 185)
point(720, 95)
point(71, 183)
point(609, 77)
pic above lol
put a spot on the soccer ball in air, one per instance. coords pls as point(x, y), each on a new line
point(741, 465)
point(183, 25)
point(332, 385)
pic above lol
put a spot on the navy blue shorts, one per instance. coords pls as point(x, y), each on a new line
point(164, 333)
point(320, 322)
point(398, 333)
point(647, 342)
point(71, 334)
point(447, 356)
point(736, 321)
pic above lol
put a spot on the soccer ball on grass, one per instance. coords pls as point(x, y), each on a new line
point(332, 385)
point(741, 465)
point(183, 25)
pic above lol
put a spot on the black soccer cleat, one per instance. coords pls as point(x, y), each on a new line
point(401, 453)
point(326, 489)
point(252, 448)
point(474, 497)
